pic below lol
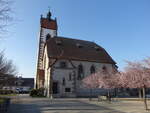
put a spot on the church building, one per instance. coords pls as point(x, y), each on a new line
point(63, 62)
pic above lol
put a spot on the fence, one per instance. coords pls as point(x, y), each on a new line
point(92, 92)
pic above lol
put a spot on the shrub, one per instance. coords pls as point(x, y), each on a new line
point(33, 92)
point(37, 92)
point(4, 92)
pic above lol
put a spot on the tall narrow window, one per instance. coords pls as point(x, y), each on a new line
point(64, 82)
point(80, 72)
point(70, 77)
point(92, 69)
point(104, 69)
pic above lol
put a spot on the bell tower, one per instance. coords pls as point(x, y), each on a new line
point(48, 29)
point(48, 25)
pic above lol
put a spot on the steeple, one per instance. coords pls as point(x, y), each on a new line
point(49, 15)
point(48, 22)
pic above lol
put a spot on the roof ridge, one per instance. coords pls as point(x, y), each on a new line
point(73, 39)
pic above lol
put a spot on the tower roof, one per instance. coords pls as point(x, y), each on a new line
point(49, 15)
point(48, 22)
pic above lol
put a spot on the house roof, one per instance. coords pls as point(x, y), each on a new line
point(74, 49)
point(48, 24)
point(27, 82)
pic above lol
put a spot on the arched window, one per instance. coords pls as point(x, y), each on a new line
point(92, 69)
point(80, 72)
point(48, 36)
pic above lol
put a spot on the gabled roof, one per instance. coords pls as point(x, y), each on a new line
point(74, 49)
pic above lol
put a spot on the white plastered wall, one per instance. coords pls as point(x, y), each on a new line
point(48, 31)
point(60, 73)
point(46, 70)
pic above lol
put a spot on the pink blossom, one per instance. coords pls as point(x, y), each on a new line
point(101, 80)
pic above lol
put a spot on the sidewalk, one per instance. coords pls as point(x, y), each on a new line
point(26, 104)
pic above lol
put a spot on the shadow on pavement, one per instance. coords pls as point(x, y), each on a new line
point(74, 105)
point(27, 104)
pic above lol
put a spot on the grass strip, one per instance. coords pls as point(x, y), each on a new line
point(8, 94)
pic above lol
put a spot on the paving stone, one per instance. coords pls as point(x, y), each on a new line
point(26, 104)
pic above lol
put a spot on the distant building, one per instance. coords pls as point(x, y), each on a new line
point(10, 82)
point(64, 62)
point(25, 84)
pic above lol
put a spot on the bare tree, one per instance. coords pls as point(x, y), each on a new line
point(5, 14)
point(7, 66)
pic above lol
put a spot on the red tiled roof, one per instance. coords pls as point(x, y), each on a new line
point(48, 24)
point(73, 49)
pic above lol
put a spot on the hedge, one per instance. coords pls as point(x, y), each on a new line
point(3, 92)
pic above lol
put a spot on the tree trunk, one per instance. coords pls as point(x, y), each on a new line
point(90, 95)
point(140, 93)
point(144, 99)
point(115, 92)
point(108, 96)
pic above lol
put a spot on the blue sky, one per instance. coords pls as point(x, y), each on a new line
point(122, 27)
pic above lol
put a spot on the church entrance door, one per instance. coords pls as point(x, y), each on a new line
point(55, 87)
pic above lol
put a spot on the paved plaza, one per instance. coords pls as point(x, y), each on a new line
point(26, 104)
